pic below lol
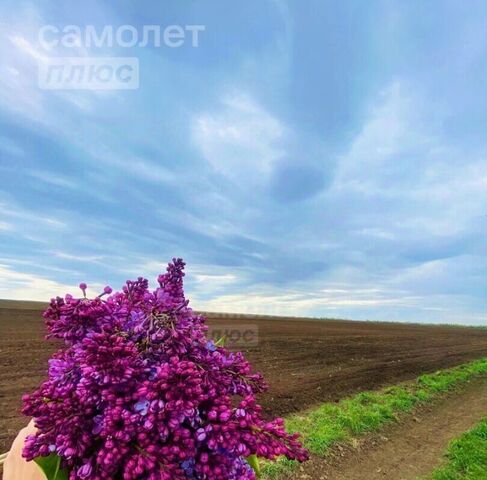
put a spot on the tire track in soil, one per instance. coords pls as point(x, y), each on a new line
point(407, 450)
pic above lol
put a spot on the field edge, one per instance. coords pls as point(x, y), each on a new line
point(329, 424)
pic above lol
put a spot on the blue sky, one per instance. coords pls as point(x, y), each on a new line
point(308, 158)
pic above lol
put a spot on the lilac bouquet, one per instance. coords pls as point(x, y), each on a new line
point(139, 392)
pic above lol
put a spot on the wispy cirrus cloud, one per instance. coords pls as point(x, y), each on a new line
point(241, 140)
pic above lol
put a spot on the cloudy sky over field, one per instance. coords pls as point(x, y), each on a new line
point(308, 158)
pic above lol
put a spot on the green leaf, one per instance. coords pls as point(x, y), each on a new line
point(51, 467)
point(253, 461)
point(221, 341)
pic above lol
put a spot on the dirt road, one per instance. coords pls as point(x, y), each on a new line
point(409, 450)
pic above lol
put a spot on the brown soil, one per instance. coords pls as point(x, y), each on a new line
point(304, 361)
point(407, 450)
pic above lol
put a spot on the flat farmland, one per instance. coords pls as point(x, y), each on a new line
point(304, 361)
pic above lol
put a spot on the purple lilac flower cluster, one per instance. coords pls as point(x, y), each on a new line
point(138, 392)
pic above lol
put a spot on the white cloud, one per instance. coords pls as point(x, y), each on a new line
point(53, 179)
point(302, 303)
point(78, 257)
point(24, 217)
point(26, 47)
point(215, 279)
point(26, 286)
point(427, 186)
point(241, 140)
point(394, 127)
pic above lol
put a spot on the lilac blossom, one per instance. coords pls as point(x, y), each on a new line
point(139, 392)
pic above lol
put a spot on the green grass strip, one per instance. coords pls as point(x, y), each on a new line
point(331, 423)
point(466, 456)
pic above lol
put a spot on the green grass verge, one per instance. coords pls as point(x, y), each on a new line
point(331, 423)
point(466, 456)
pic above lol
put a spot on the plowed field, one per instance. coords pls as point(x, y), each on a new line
point(304, 361)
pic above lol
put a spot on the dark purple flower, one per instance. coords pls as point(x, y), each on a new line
point(139, 392)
